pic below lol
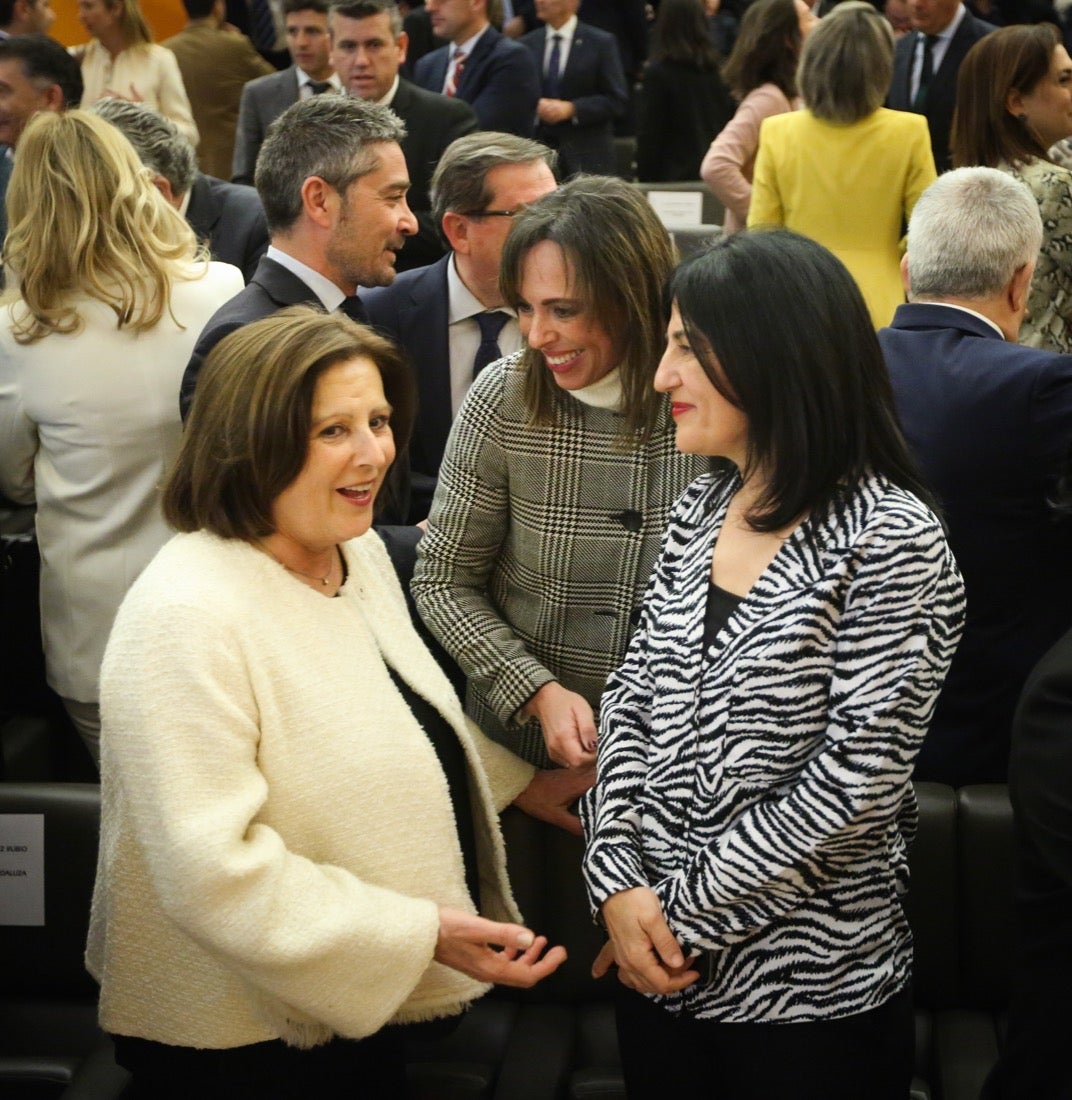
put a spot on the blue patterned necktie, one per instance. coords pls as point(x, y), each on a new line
point(491, 324)
point(552, 78)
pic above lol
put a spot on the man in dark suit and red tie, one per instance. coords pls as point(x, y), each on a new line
point(584, 88)
point(494, 74)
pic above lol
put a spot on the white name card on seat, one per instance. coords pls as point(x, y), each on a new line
point(677, 208)
point(22, 869)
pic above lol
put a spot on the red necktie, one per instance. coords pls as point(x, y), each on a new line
point(459, 65)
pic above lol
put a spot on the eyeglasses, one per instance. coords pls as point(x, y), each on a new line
point(493, 213)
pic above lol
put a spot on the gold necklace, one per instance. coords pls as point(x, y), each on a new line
point(325, 580)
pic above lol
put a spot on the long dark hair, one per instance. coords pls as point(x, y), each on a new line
point(1006, 60)
point(783, 333)
point(683, 34)
point(766, 50)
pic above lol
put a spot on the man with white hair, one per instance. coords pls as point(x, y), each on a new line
point(990, 422)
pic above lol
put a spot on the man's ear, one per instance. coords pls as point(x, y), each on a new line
point(54, 98)
point(320, 201)
point(456, 230)
point(163, 185)
point(1019, 287)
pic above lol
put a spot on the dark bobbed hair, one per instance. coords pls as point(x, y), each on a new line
point(682, 33)
point(781, 330)
point(767, 49)
point(45, 61)
point(1009, 59)
point(248, 432)
point(621, 256)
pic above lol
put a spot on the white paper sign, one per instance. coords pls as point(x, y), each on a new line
point(677, 208)
point(22, 869)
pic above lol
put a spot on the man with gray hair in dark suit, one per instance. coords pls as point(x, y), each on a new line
point(227, 217)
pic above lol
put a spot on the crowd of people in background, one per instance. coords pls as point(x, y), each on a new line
point(707, 559)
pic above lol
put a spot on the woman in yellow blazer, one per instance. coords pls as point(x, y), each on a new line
point(846, 171)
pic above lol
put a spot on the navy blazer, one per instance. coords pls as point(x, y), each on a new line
point(942, 94)
point(415, 312)
point(991, 425)
point(432, 122)
point(230, 219)
point(500, 81)
point(594, 83)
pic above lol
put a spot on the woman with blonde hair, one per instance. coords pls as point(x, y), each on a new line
point(1014, 101)
point(846, 171)
point(94, 336)
point(558, 475)
point(121, 61)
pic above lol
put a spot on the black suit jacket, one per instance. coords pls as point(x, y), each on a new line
point(1034, 1058)
point(432, 121)
point(625, 19)
point(415, 312)
point(594, 83)
point(500, 81)
point(991, 425)
point(230, 219)
point(942, 93)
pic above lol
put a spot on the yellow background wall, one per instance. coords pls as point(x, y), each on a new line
point(166, 17)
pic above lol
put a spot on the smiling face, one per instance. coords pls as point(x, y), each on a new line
point(307, 41)
point(365, 54)
point(707, 423)
point(1048, 106)
point(350, 449)
point(577, 349)
point(372, 222)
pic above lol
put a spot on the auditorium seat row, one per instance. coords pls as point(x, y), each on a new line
point(556, 1041)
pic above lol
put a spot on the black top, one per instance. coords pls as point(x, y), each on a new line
point(720, 606)
point(452, 760)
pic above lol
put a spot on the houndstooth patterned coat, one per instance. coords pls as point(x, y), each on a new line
point(540, 542)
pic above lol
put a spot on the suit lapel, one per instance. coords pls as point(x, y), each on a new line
point(427, 314)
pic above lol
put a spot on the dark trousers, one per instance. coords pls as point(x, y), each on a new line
point(864, 1057)
point(366, 1069)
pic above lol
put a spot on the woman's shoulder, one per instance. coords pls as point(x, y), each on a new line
point(1039, 173)
point(202, 573)
point(878, 508)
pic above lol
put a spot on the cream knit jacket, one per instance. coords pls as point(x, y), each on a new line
point(276, 830)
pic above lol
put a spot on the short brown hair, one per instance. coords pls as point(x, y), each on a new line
point(248, 431)
point(847, 63)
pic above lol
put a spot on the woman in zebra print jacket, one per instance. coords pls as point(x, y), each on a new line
point(746, 836)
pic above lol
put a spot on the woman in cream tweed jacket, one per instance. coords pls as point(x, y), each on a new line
point(299, 825)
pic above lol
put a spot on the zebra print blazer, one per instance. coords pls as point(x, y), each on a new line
point(762, 788)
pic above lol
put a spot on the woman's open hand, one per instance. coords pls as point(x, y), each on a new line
point(569, 727)
point(471, 944)
point(551, 793)
point(649, 958)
